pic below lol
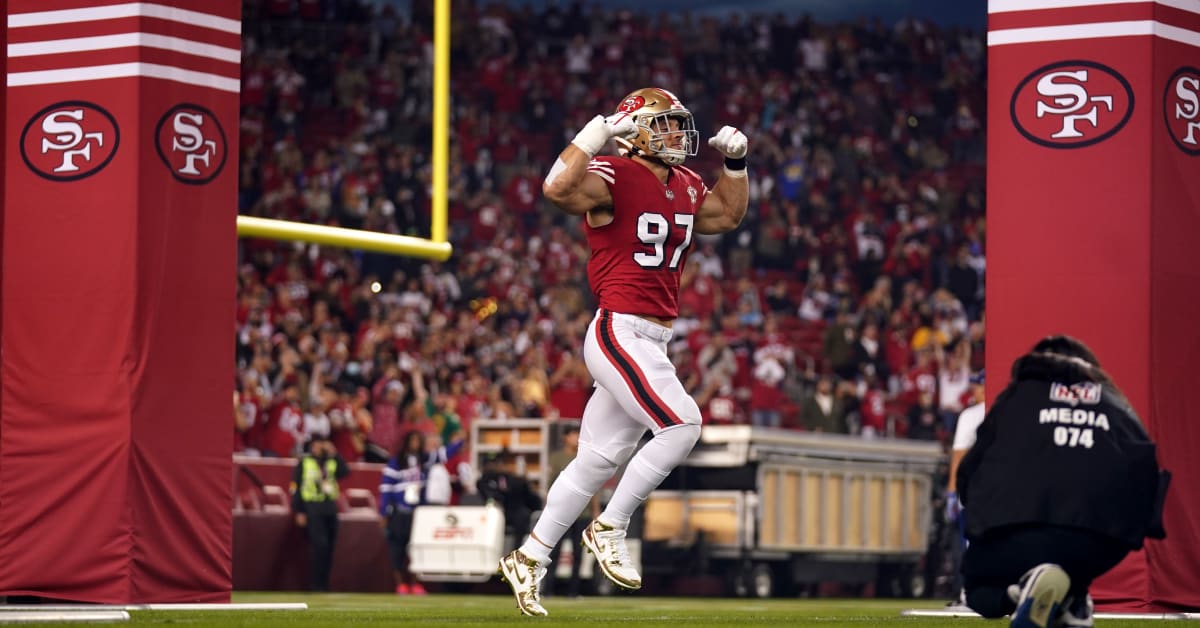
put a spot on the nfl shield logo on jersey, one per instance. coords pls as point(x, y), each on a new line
point(692, 194)
point(670, 195)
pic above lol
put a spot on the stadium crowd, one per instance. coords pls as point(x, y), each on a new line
point(849, 301)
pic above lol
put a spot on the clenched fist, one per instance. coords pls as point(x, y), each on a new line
point(731, 142)
point(600, 129)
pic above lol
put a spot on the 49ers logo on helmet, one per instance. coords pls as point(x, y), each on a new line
point(69, 140)
point(1181, 109)
point(191, 143)
point(631, 104)
point(1071, 104)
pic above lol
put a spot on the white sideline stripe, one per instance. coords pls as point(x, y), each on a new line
point(1092, 31)
point(603, 176)
point(282, 606)
point(125, 40)
point(966, 612)
point(122, 70)
point(128, 9)
point(79, 616)
point(1006, 6)
point(268, 606)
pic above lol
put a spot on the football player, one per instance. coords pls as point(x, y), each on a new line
point(641, 211)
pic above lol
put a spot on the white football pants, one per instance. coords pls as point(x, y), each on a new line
point(636, 389)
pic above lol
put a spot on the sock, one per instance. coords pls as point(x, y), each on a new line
point(536, 550)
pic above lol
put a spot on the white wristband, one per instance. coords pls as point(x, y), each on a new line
point(592, 138)
point(735, 174)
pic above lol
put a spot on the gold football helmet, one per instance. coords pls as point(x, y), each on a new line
point(652, 110)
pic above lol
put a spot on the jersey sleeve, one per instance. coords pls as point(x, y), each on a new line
point(604, 169)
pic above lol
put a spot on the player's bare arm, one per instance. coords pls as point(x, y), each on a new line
point(725, 206)
point(568, 184)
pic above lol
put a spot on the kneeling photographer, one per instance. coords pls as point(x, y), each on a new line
point(1061, 484)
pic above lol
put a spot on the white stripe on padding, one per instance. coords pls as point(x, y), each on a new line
point(604, 170)
point(1007, 6)
point(1092, 31)
point(123, 70)
point(1174, 33)
point(602, 175)
point(125, 40)
point(128, 9)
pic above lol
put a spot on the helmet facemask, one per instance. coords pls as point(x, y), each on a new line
point(655, 130)
point(655, 134)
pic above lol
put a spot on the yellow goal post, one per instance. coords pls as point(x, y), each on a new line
point(436, 247)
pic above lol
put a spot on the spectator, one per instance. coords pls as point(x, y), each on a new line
point(283, 433)
point(350, 422)
point(954, 374)
point(924, 420)
point(387, 393)
point(766, 394)
point(401, 490)
point(824, 410)
point(839, 346)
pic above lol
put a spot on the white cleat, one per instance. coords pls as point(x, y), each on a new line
point(524, 575)
point(608, 545)
point(1040, 598)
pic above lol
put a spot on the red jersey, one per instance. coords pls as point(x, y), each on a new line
point(637, 258)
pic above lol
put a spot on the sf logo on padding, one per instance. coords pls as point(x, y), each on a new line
point(1181, 109)
point(1071, 104)
point(69, 140)
point(191, 143)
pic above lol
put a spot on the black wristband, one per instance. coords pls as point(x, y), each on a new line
point(735, 164)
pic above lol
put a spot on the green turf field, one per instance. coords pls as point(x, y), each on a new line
point(341, 609)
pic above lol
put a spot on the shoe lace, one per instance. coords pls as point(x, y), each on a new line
point(537, 572)
point(620, 550)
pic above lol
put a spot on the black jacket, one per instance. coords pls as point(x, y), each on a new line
point(1062, 446)
point(511, 492)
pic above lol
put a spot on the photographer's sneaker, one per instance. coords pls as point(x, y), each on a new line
point(1041, 597)
point(608, 545)
point(1077, 613)
point(524, 575)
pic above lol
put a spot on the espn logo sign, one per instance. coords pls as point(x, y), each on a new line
point(453, 534)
